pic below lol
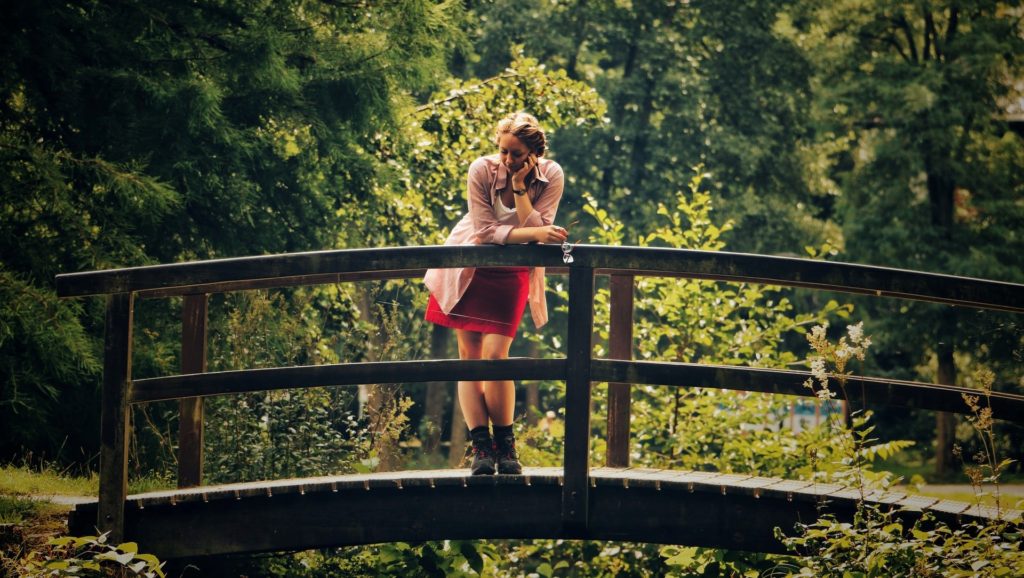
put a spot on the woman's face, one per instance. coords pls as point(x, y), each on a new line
point(513, 152)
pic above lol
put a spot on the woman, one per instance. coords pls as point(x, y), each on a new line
point(513, 198)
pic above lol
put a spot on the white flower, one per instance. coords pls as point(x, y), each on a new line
point(818, 368)
point(856, 332)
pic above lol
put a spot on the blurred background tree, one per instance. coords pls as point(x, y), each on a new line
point(155, 132)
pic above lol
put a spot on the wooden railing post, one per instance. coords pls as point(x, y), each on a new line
point(576, 462)
point(620, 337)
point(190, 409)
point(114, 424)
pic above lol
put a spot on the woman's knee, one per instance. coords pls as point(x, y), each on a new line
point(470, 345)
point(495, 349)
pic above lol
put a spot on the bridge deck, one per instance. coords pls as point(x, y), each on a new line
point(734, 511)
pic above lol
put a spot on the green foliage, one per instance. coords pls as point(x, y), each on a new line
point(283, 433)
point(877, 543)
point(420, 560)
point(707, 322)
point(42, 347)
point(428, 177)
point(699, 82)
point(90, 556)
point(172, 131)
point(693, 561)
point(911, 101)
point(16, 510)
point(25, 481)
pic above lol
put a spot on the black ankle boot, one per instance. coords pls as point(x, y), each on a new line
point(483, 452)
point(505, 448)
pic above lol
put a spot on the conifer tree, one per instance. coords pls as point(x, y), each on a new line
point(142, 132)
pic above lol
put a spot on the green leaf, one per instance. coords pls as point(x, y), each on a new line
point(921, 534)
point(684, 558)
point(470, 553)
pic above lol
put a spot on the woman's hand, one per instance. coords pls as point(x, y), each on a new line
point(519, 178)
point(551, 234)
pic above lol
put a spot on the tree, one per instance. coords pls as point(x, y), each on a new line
point(931, 177)
point(161, 132)
point(687, 83)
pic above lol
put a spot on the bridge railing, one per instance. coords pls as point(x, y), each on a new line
point(196, 280)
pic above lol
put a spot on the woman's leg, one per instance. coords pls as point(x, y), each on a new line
point(501, 404)
point(471, 393)
point(499, 396)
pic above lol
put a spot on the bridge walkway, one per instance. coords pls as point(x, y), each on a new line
point(733, 511)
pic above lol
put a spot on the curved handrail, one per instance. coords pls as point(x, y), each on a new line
point(330, 266)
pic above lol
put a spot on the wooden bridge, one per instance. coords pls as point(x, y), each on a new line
point(575, 501)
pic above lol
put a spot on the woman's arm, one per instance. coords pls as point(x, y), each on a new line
point(544, 234)
point(539, 224)
point(486, 227)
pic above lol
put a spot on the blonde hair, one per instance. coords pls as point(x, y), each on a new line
point(524, 127)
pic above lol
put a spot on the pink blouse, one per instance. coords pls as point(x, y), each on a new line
point(487, 178)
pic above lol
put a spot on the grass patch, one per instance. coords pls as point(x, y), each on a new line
point(909, 463)
point(17, 510)
point(1006, 501)
point(22, 481)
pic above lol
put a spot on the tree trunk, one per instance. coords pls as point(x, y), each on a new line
point(379, 397)
point(941, 188)
point(533, 390)
point(433, 417)
point(457, 445)
point(945, 423)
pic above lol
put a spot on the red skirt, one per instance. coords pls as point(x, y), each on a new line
point(493, 303)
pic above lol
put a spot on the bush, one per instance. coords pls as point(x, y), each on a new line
point(90, 556)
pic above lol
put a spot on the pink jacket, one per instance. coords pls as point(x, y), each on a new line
point(487, 176)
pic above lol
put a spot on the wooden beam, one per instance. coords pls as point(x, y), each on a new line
point(579, 351)
point(620, 347)
point(796, 272)
point(114, 424)
point(859, 391)
point(190, 409)
point(712, 509)
point(641, 261)
point(249, 380)
point(195, 276)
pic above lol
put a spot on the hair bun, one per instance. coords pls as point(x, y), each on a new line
point(525, 127)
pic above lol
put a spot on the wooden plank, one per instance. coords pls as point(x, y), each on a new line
point(415, 506)
point(114, 426)
point(917, 502)
point(579, 351)
point(949, 506)
point(249, 380)
point(190, 409)
point(862, 391)
point(620, 347)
